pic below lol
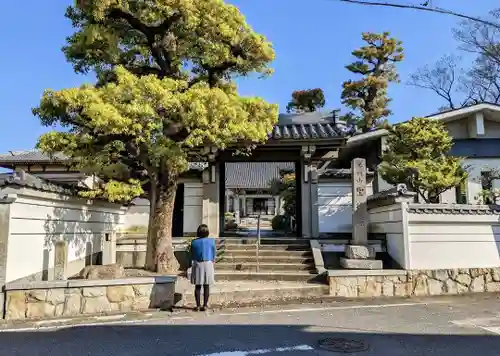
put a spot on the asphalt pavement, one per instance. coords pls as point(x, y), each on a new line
point(453, 326)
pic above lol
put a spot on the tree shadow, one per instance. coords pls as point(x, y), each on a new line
point(82, 227)
point(195, 338)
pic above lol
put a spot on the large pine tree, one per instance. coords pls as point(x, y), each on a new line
point(164, 90)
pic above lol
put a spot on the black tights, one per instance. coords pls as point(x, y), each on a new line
point(206, 294)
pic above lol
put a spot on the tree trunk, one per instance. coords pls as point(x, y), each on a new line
point(165, 260)
point(151, 237)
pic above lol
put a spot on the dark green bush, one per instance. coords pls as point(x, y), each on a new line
point(280, 223)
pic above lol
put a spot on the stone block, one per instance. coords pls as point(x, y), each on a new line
point(56, 296)
point(143, 290)
point(162, 295)
point(118, 294)
point(96, 305)
point(40, 310)
point(435, 287)
point(36, 295)
point(451, 287)
point(72, 305)
point(464, 279)
point(495, 274)
point(359, 252)
point(141, 303)
point(360, 264)
point(477, 284)
point(346, 287)
point(493, 287)
point(113, 271)
point(387, 288)
point(420, 286)
point(371, 288)
point(94, 291)
point(402, 289)
point(60, 260)
point(16, 305)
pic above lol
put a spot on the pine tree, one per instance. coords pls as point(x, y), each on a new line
point(308, 100)
point(368, 95)
point(417, 155)
point(164, 91)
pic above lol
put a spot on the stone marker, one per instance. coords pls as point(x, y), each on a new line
point(359, 209)
point(109, 248)
point(60, 260)
point(359, 255)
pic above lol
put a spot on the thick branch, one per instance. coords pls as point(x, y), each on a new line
point(161, 56)
point(423, 8)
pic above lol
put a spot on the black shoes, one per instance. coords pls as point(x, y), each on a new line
point(197, 309)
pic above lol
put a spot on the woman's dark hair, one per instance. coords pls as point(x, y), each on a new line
point(202, 231)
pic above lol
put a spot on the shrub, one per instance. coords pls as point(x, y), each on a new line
point(280, 223)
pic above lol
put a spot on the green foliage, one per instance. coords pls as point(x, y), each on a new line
point(164, 90)
point(121, 131)
point(136, 229)
point(368, 95)
point(286, 188)
point(308, 100)
point(280, 223)
point(416, 155)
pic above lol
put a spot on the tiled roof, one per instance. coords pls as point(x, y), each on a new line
point(342, 173)
point(34, 156)
point(254, 175)
point(30, 156)
point(23, 179)
point(305, 132)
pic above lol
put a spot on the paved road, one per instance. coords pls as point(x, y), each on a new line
point(445, 327)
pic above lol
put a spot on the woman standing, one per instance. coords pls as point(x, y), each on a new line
point(203, 253)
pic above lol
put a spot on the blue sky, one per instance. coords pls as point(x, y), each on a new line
point(313, 40)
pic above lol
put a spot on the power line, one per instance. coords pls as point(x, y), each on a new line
point(423, 7)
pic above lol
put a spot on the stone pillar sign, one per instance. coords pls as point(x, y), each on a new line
point(359, 255)
point(60, 260)
point(359, 209)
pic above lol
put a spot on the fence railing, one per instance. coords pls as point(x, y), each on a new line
point(258, 242)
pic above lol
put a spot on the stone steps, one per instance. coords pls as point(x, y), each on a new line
point(263, 295)
point(253, 247)
point(264, 253)
point(281, 258)
point(297, 276)
point(252, 266)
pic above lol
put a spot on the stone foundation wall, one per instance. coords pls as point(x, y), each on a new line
point(387, 283)
point(87, 297)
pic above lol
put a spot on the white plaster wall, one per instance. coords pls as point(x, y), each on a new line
point(335, 206)
point(192, 216)
point(458, 129)
point(390, 220)
point(39, 219)
point(439, 241)
point(491, 129)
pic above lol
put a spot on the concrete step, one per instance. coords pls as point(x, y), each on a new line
point(264, 241)
point(302, 276)
point(252, 266)
point(253, 247)
point(265, 252)
point(256, 294)
point(235, 258)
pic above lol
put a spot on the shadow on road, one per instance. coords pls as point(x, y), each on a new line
point(224, 340)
